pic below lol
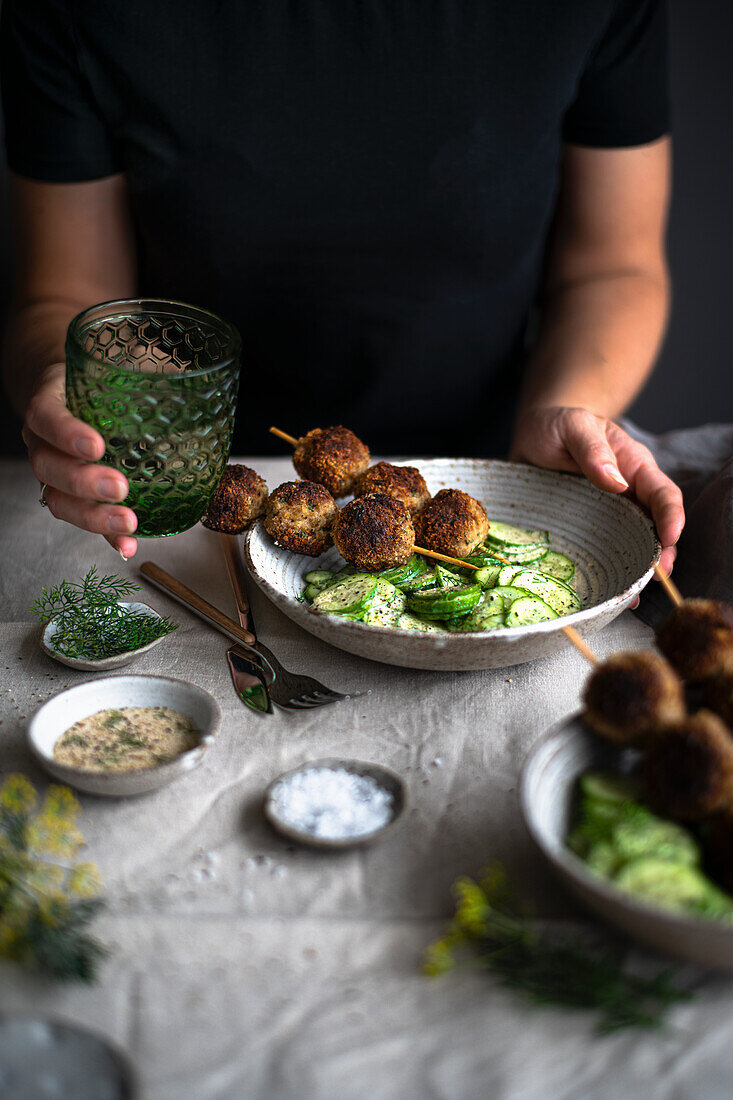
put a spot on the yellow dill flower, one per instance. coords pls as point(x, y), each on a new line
point(53, 835)
point(84, 881)
point(17, 794)
point(60, 803)
point(471, 906)
point(54, 907)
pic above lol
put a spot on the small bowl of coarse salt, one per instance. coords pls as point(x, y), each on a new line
point(336, 803)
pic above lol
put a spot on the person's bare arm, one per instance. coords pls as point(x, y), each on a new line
point(74, 247)
point(605, 305)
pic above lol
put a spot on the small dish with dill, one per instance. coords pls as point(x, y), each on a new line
point(124, 735)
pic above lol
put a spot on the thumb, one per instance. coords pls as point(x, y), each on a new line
point(584, 436)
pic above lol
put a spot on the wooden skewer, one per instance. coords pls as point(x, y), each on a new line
point(284, 435)
point(417, 549)
point(580, 644)
point(669, 586)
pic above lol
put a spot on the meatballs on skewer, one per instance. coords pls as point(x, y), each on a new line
point(630, 695)
point(333, 457)
point(238, 501)
point(300, 516)
point(697, 639)
point(452, 523)
point(405, 483)
point(375, 532)
point(688, 769)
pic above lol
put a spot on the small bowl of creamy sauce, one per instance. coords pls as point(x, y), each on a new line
point(128, 739)
point(124, 735)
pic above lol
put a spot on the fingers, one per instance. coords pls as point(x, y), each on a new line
point(667, 559)
point(124, 545)
point(584, 436)
point(48, 418)
point(73, 476)
point(101, 519)
point(650, 486)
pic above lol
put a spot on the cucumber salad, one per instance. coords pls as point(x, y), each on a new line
point(535, 587)
point(655, 860)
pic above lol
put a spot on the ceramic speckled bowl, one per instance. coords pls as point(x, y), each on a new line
point(63, 710)
point(610, 539)
point(547, 793)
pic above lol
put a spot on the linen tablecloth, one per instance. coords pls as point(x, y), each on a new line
point(244, 967)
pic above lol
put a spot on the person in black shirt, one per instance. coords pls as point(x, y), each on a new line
point(439, 222)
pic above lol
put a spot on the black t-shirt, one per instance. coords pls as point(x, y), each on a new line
point(364, 187)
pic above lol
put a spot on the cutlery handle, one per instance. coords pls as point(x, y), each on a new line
point(234, 569)
point(196, 603)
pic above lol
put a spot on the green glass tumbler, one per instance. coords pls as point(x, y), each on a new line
point(158, 380)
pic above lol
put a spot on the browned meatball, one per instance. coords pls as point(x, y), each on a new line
point(688, 769)
point(405, 483)
point(697, 639)
point(719, 847)
point(333, 457)
point(375, 532)
point(300, 516)
point(238, 501)
point(630, 695)
point(718, 696)
point(451, 523)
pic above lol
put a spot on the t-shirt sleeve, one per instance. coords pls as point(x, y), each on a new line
point(622, 97)
point(53, 127)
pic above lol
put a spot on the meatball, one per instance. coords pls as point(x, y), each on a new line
point(718, 696)
point(630, 695)
point(688, 769)
point(300, 516)
point(238, 501)
point(452, 523)
point(405, 483)
point(333, 457)
point(375, 532)
point(697, 639)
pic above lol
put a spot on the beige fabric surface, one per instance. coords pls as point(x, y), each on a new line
point(244, 967)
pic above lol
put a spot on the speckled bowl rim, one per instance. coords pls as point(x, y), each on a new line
point(130, 1077)
point(470, 638)
point(89, 664)
point(574, 867)
point(357, 767)
point(166, 772)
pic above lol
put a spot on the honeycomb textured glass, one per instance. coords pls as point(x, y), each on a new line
point(158, 380)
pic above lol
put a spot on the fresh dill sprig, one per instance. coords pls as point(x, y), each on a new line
point(545, 969)
point(46, 906)
point(91, 623)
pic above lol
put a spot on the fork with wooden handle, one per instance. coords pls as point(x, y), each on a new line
point(287, 689)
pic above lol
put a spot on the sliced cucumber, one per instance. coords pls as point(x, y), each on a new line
point(311, 591)
point(661, 882)
point(403, 574)
point(406, 621)
point(646, 835)
point(488, 575)
point(351, 596)
point(445, 578)
point(481, 619)
point(320, 577)
point(529, 609)
point(523, 555)
point(507, 575)
point(601, 859)
point(441, 603)
point(558, 565)
point(506, 534)
point(423, 580)
point(609, 787)
point(509, 594)
point(556, 593)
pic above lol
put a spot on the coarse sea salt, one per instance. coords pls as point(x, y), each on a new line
point(332, 803)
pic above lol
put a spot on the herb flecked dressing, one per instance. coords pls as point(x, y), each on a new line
point(128, 739)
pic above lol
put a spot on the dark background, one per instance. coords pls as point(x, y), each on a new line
point(693, 383)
